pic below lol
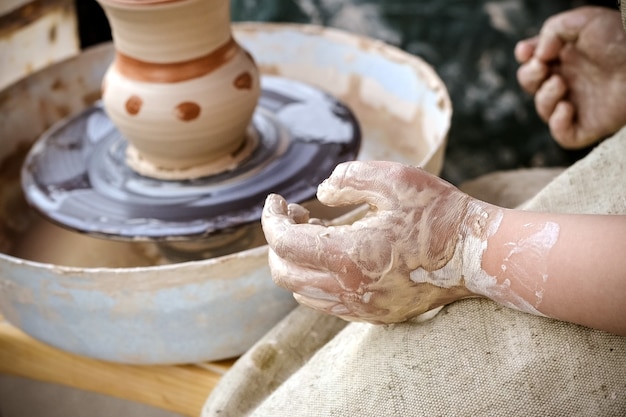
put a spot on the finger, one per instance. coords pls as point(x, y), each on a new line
point(280, 228)
point(298, 213)
point(278, 215)
point(566, 129)
point(549, 95)
point(275, 219)
point(525, 49)
point(277, 223)
point(562, 124)
point(354, 183)
point(275, 207)
point(532, 74)
point(303, 280)
point(378, 183)
point(311, 245)
point(549, 46)
point(298, 243)
point(557, 31)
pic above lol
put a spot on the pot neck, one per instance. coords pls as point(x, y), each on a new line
point(167, 31)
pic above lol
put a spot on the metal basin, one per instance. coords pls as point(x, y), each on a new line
point(115, 300)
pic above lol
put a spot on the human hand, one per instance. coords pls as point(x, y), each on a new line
point(575, 69)
point(406, 256)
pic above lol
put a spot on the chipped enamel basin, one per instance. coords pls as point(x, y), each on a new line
point(150, 313)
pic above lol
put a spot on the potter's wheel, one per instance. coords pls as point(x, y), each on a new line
point(77, 174)
point(215, 308)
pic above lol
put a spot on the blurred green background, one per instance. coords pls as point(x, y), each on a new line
point(468, 42)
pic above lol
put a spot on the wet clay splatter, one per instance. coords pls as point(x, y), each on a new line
point(526, 263)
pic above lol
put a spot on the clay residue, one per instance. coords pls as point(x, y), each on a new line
point(531, 249)
point(143, 166)
point(526, 261)
point(58, 85)
point(264, 356)
point(47, 243)
point(393, 130)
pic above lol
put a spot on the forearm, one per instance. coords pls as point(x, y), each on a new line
point(569, 267)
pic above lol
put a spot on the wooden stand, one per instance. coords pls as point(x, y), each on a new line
point(180, 389)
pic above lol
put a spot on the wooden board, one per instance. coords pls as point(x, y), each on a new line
point(180, 389)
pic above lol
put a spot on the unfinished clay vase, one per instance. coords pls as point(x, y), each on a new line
point(181, 90)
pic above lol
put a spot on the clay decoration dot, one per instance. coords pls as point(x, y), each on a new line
point(133, 105)
point(187, 111)
point(243, 81)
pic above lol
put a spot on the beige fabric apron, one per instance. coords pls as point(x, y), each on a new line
point(475, 358)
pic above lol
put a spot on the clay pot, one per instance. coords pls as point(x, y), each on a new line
point(180, 89)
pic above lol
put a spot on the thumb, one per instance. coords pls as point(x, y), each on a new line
point(560, 29)
point(358, 182)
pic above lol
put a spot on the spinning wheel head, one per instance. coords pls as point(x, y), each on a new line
point(78, 174)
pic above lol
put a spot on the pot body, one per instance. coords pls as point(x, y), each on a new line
point(181, 89)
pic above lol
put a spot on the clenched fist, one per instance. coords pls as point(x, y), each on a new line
point(575, 69)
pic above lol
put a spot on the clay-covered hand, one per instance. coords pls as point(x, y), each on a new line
point(403, 258)
point(575, 70)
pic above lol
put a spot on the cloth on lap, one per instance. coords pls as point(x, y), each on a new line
point(474, 358)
